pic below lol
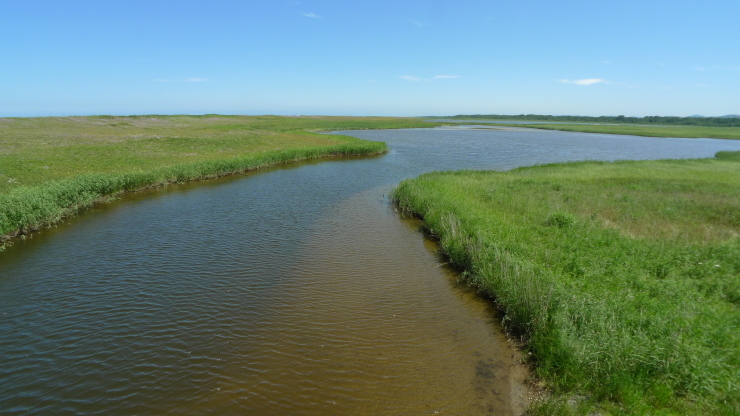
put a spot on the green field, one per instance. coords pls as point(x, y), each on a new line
point(52, 166)
point(622, 279)
point(725, 121)
point(35, 150)
point(651, 131)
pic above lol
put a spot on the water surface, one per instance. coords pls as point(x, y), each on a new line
point(298, 290)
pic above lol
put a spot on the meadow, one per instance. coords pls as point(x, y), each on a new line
point(621, 279)
point(724, 121)
point(51, 167)
point(689, 132)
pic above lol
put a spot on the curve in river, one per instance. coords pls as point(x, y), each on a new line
point(297, 290)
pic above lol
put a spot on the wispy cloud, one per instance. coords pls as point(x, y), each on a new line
point(416, 23)
point(445, 76)
point(312, 15)
point(587, 81)
point(183, 80)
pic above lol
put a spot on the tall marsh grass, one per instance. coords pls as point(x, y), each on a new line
point(732, 133)
point(53, 166)
point(41, 149)
point(632, 319)
point(27, 208)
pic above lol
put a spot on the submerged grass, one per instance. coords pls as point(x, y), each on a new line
point(689, 132)
point(52, 167)
point(623, 278)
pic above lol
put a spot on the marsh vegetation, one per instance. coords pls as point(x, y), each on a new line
point(727, 127)
point(622, 278)
point(688, 132)
point(53, 166)
point(724, 121)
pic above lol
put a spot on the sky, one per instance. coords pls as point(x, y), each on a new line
point(389, 58)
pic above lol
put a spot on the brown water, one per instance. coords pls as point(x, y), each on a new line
point(294, 291)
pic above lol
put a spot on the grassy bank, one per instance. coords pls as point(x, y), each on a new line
point(689, 132)
point(623, 278)
point(725, 121)
point(51, 167)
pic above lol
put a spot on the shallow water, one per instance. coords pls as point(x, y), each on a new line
point(298, 290)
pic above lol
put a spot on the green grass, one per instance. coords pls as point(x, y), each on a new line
point(36, 150)
point(51, 167)
point(622, 278)
point(651, 131)
point(647, 120)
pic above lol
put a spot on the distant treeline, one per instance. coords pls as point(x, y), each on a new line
point(681, 121)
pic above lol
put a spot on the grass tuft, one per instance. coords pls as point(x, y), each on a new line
point(561, 219)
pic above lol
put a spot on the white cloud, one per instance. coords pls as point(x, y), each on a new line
point(312, 15)
point(416, 23)
point(410, 78)
point(587, 81)
point(445, 76)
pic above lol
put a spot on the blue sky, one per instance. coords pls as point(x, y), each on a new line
point(400, 58)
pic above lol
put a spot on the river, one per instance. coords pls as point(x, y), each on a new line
point(295, 290)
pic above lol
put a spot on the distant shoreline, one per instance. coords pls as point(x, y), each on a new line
point(679, 131)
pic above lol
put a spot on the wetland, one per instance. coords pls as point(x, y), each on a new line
point(298, 289)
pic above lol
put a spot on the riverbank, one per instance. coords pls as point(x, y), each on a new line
point(54, 166)
point(621, 278)
point(688, 132)
point(723, 121)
